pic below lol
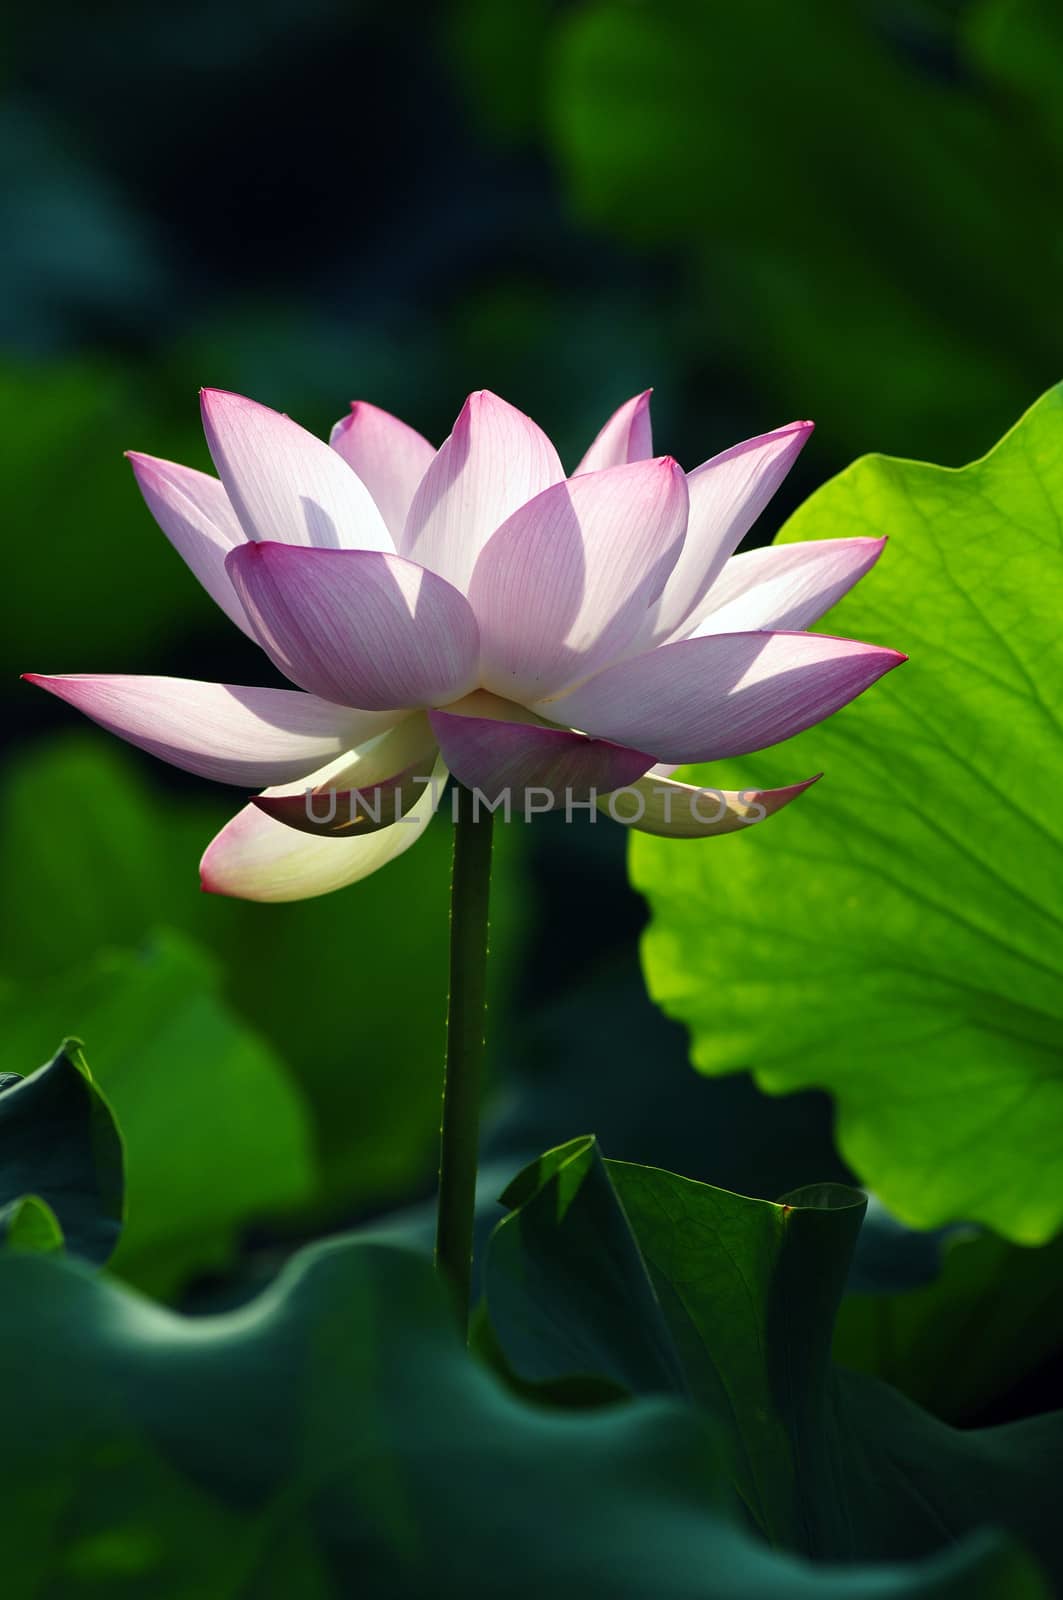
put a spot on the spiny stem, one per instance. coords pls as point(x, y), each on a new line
point(459, 1137)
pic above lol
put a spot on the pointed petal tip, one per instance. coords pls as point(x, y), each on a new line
point(210, 399)
point(886, 658)
point(798, 789)
point(885, 652)
point(487, 399)
point(51, 681)
point(143, 465)
point(806, 783)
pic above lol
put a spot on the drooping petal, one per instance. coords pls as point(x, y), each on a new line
point(222, 731)
point(627, 436)
point(257, 858)
point(493, 462)
point(727, 495)
point(390, 457)
point(672, 810)
point(194, 513)
point(785, 586)
point(564, 585)
point(286, 484)
point(368, 788)
point(726, 694)
point(358, 626)
point(520, 759)
point(343, 813)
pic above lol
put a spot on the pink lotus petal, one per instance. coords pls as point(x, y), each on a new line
point(564, 585)
point(727, 495)
point(726, 694)
point(256, 858)
point(358, 626)
point(493, 462)
point(222, 731)
point(691, 811)
point(518, 758)
point(786, 586)
point(194, 513)
point(286, 484)
point(627, 436)
point(390, 457)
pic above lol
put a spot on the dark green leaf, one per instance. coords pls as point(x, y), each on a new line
point(333, 1438)
point(990, 1316)
point(60, 1147)
point(828, 266)
point(216, 1135)
point(827, 1463)
point(349, 991)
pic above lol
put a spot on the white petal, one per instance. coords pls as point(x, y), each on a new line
point(194, 513)
point(358, 626)
point(727, 495)
point(785, 586)
point(284, 483)
point(726, 694)
point(671, 810)
point(564, 585)
point(390, 457)
point(627, 436)
point(256, 858)
point(493, 462)
point(221, 731)
point(369, 787)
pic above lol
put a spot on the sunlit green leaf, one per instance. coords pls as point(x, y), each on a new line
point(29, 1223)
point(897, 937)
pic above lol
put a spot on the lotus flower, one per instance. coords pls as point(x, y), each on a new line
point(473, 609)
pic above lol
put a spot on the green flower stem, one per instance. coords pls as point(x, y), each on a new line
point(469, 896)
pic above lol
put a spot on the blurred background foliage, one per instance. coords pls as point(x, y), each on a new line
point(847, 211)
